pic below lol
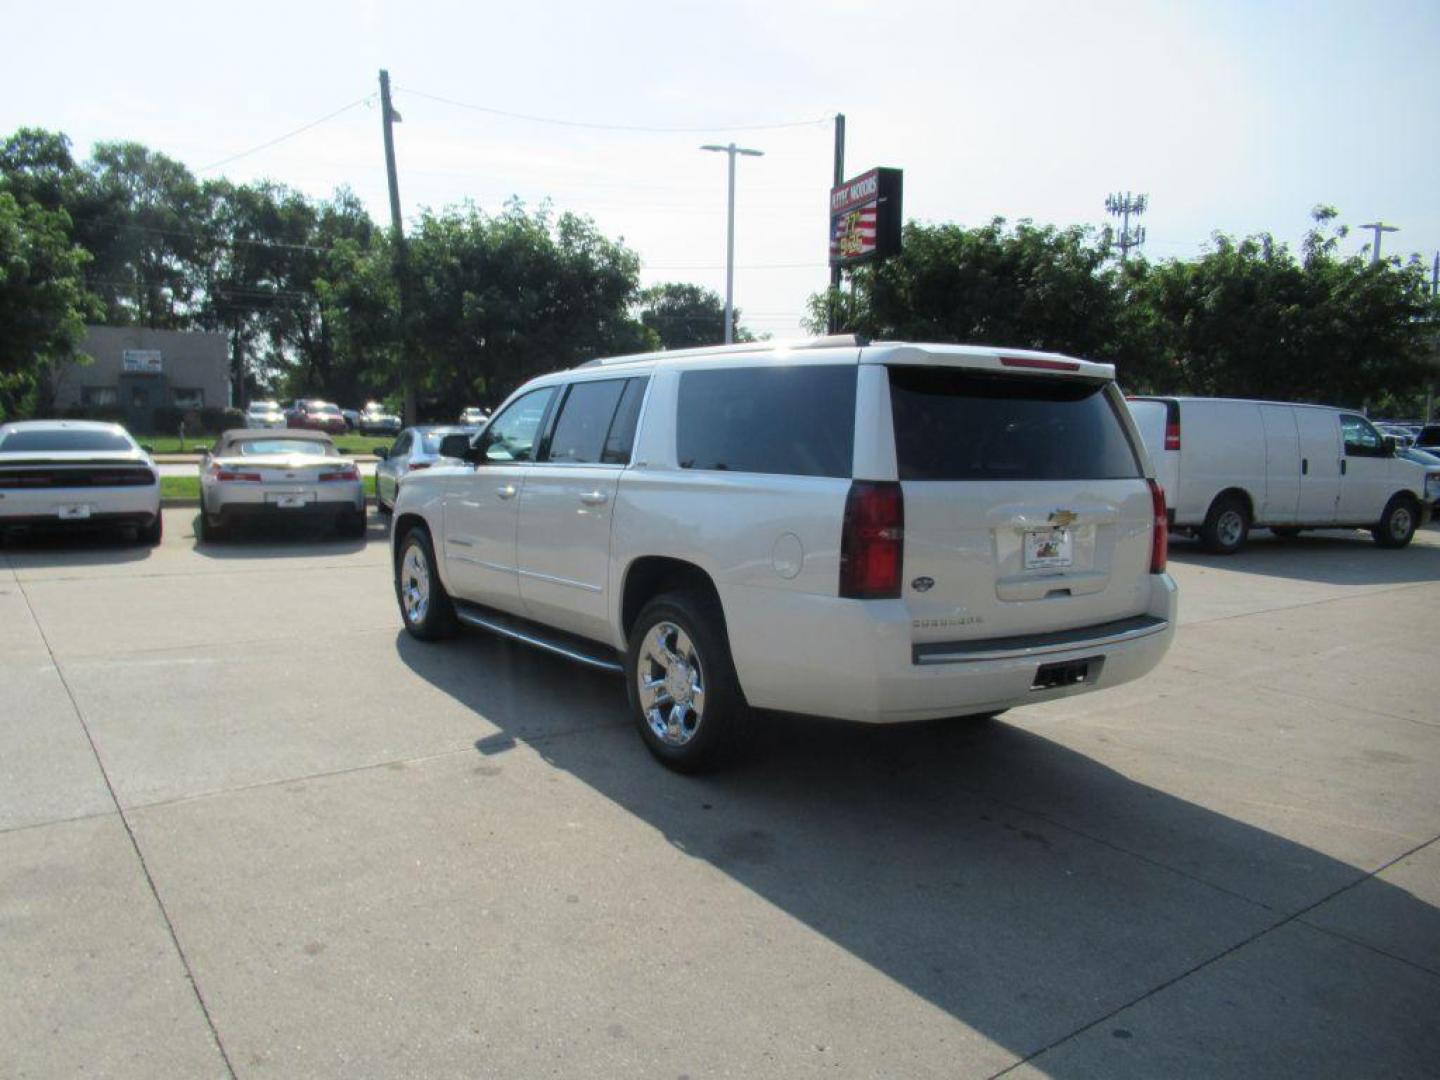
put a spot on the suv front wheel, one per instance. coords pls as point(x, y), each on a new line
point(424, 604)
point(683, 690)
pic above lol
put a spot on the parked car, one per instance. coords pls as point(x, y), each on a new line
point(352, 419)
point(474, 415)
point(880, 533)
point(1428, 437)
point(264, 414)
point(1429, 460)
point(1229, 465)
point(315, 415)
point(375, 420)
point(73, 474)
point(417, 448)
point(1403, 436)
point(259, 476)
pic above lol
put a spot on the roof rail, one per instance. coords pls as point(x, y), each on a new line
point(832, 341)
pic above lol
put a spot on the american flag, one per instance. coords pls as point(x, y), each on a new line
point(853, 233)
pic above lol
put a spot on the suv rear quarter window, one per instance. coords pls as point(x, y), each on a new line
point(793, 420)
point(953, 424)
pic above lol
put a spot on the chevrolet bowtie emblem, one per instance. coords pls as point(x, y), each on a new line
point(1063, 518)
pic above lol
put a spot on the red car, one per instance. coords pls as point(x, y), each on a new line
point(317, 416)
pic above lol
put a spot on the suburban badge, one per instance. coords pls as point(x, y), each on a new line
point(923, 584)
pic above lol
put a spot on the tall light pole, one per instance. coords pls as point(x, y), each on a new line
point(1379, 227)
point(732, 150)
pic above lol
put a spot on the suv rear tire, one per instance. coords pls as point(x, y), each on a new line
point(425, 606)
point(684, 693)
point(1226, 526)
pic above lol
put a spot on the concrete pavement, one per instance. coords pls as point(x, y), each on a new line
point(248, 827)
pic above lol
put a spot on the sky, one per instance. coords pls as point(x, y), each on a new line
point(1237, 117)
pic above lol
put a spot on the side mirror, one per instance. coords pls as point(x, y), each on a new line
point(456, 446)
point(1391, 445)
point(382, 452)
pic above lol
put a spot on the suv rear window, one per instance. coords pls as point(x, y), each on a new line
point(798, 421)
point(966, 425)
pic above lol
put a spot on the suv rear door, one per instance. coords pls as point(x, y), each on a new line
point(1026, 505)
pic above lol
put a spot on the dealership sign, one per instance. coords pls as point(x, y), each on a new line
point(140, 362)
point(865, 217)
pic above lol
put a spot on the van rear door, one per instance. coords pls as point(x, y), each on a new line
point(1158, 421)
point(1026, 506)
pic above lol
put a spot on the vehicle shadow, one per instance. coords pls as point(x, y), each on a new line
point(286, 539)
point(98, 547)
point(1335, 557)
point(1023, 888)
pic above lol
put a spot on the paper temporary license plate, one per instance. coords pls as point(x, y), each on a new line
point(1048, 548)
point(74, 512)
point(289, 502)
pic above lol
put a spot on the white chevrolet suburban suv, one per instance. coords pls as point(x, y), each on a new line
point(876, 532)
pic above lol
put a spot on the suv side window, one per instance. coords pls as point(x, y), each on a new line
point(1361, 440)
point(511, 436)
point(793, 420)
point(584, 421)
point(621, 440)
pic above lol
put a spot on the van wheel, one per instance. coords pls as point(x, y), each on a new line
point(424, 604)
point(683, 690)
point(1397, 523)
point(1226, 526)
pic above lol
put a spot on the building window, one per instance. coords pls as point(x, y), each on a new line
point(187, 397)
point(100, 395)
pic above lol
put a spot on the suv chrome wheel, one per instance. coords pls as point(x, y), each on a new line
point(671, 684)
point(1230, 527)
point(415, 585)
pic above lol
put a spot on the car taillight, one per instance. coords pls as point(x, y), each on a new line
point(228, 476)
point(1172, 435)
point(419, 465)
point(872, 541)
point(1160, 534)
point(350, 472)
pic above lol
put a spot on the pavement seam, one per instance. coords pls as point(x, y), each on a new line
point(1309, 603)
point(419, 759)
point(7, 830)
point(1332, 932)
point(1297, 916)
point(135, 845)
point(1228, 679)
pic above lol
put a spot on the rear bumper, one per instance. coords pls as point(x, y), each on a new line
point(865, 667)
point(103, 506)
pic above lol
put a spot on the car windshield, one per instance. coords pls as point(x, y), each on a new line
point(252, 447)
point(64, 439)
point(263, 406)
point(430, 440)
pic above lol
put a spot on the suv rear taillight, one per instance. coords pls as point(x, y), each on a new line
point(872, 541)
point(1172, 435)
point(1160, 534)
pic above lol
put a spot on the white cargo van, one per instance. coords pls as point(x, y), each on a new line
point(1228, 465)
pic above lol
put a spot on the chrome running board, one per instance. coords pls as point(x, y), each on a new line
point(572, 647)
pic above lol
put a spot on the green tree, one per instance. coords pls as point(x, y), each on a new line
point(43, 302)
point(1249, 319)
point(684, 316)
point(501, 298)
point(1025, 286)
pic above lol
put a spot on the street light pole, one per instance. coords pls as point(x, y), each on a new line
point(731, 150)
point(1379, 227)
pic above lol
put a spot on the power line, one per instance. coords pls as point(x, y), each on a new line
point(606, 127)
point(288, 135)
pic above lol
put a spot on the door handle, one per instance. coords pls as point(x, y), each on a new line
point(1304, 466)
point(506, 491)
point(1342, 466)
point(594, 498)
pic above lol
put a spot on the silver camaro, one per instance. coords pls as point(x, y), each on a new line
point(272, 476)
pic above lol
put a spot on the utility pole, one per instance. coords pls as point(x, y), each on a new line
point(1378, 227)
point(834, 320)
point(731, 150)
point(388, 119)
point(1122, 206)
